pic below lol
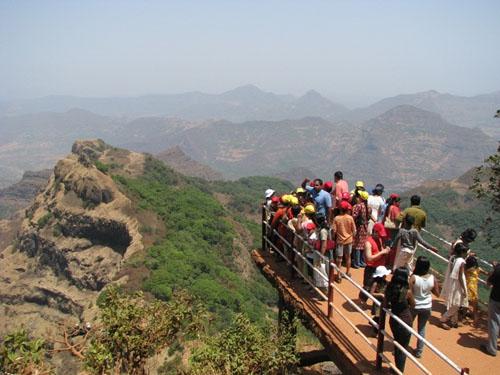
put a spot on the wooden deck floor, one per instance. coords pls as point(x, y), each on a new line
point(347, 348)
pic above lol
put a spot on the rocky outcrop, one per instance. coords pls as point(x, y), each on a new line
point(72, 241)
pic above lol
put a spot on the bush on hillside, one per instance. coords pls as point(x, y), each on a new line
point(197, 252)
point(132, 330)
point(19, 354)
point(243, 348)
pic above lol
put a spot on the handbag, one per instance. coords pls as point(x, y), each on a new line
point(389, 224)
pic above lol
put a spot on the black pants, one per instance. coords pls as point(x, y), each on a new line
point(367, 281)
point(402, 336)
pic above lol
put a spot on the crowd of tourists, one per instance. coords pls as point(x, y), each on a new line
point(325, 221)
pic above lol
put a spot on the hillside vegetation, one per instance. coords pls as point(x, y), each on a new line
point(197, 252)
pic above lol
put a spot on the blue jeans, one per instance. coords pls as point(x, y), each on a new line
point(356, 257)
point(422, 316)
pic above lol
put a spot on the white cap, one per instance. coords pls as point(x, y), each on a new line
point(381, 271)
point(269, 193)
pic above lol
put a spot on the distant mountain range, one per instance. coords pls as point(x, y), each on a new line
point(249, 103)
point(241, 104)
point(471, 112)
point(401, 140)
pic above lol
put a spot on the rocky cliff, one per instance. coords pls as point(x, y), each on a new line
point(72, 241)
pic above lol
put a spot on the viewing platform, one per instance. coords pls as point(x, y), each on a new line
point(348, 333)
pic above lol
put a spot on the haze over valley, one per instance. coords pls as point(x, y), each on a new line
point(402, 140)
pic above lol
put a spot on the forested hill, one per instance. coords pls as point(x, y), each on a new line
point(205, 245)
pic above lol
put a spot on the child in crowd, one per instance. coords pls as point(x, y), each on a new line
point(344, 230)
point(454, 290)
point(408, 238)
point(472, 272)
point(377, 289)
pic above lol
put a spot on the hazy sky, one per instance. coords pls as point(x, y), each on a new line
point(352, 51)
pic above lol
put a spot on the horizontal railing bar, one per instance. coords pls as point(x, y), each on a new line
point(446, 260)
point(424, 340)
point(365, 338)
point(303, 276)
point(485, 262)
point(407, 353)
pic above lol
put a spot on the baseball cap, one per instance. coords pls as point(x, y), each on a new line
point(363, 195)
point(269, 193)
point(344, 205)
point(309, 209)
point(381, 271)
point(360, 184)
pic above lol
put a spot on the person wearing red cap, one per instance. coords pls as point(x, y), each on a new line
point(375, 253)
point(328, 186)
point(344, 230)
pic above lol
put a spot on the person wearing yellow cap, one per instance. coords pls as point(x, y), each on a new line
point(361, 215)
point(359, 186)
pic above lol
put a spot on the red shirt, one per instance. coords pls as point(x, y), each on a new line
point(375, 250)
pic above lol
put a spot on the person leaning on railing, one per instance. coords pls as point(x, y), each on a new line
point(375, 253)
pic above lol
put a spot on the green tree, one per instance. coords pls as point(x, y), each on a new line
point(244, 348)
point(132, 329)
point(487, 187)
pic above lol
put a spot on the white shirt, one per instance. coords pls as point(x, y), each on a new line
point(422, 291)
point(375, 203)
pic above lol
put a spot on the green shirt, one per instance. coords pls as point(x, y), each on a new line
point(419, 215)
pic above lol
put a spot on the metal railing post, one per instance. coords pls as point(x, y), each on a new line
point(380, 334)
point(331, 278)
point(264, 229)
point(291, 255)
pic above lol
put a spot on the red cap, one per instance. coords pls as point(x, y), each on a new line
point(346, 196)
point(394, 196)
point(311, 226)
point(380, 229)
point(344, 205)
point(328, 185)
point(275, 199)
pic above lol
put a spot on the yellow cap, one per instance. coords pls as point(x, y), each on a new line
point(299, 190)
point(286, 198)
point(309, 209)
point(363, 195)
point(360, 184)
point(294, 201)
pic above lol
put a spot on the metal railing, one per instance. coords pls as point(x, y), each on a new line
point(334, 271)
point(446, 260)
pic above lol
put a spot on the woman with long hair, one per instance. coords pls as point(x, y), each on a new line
point(422, 283)
point(400, 300)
